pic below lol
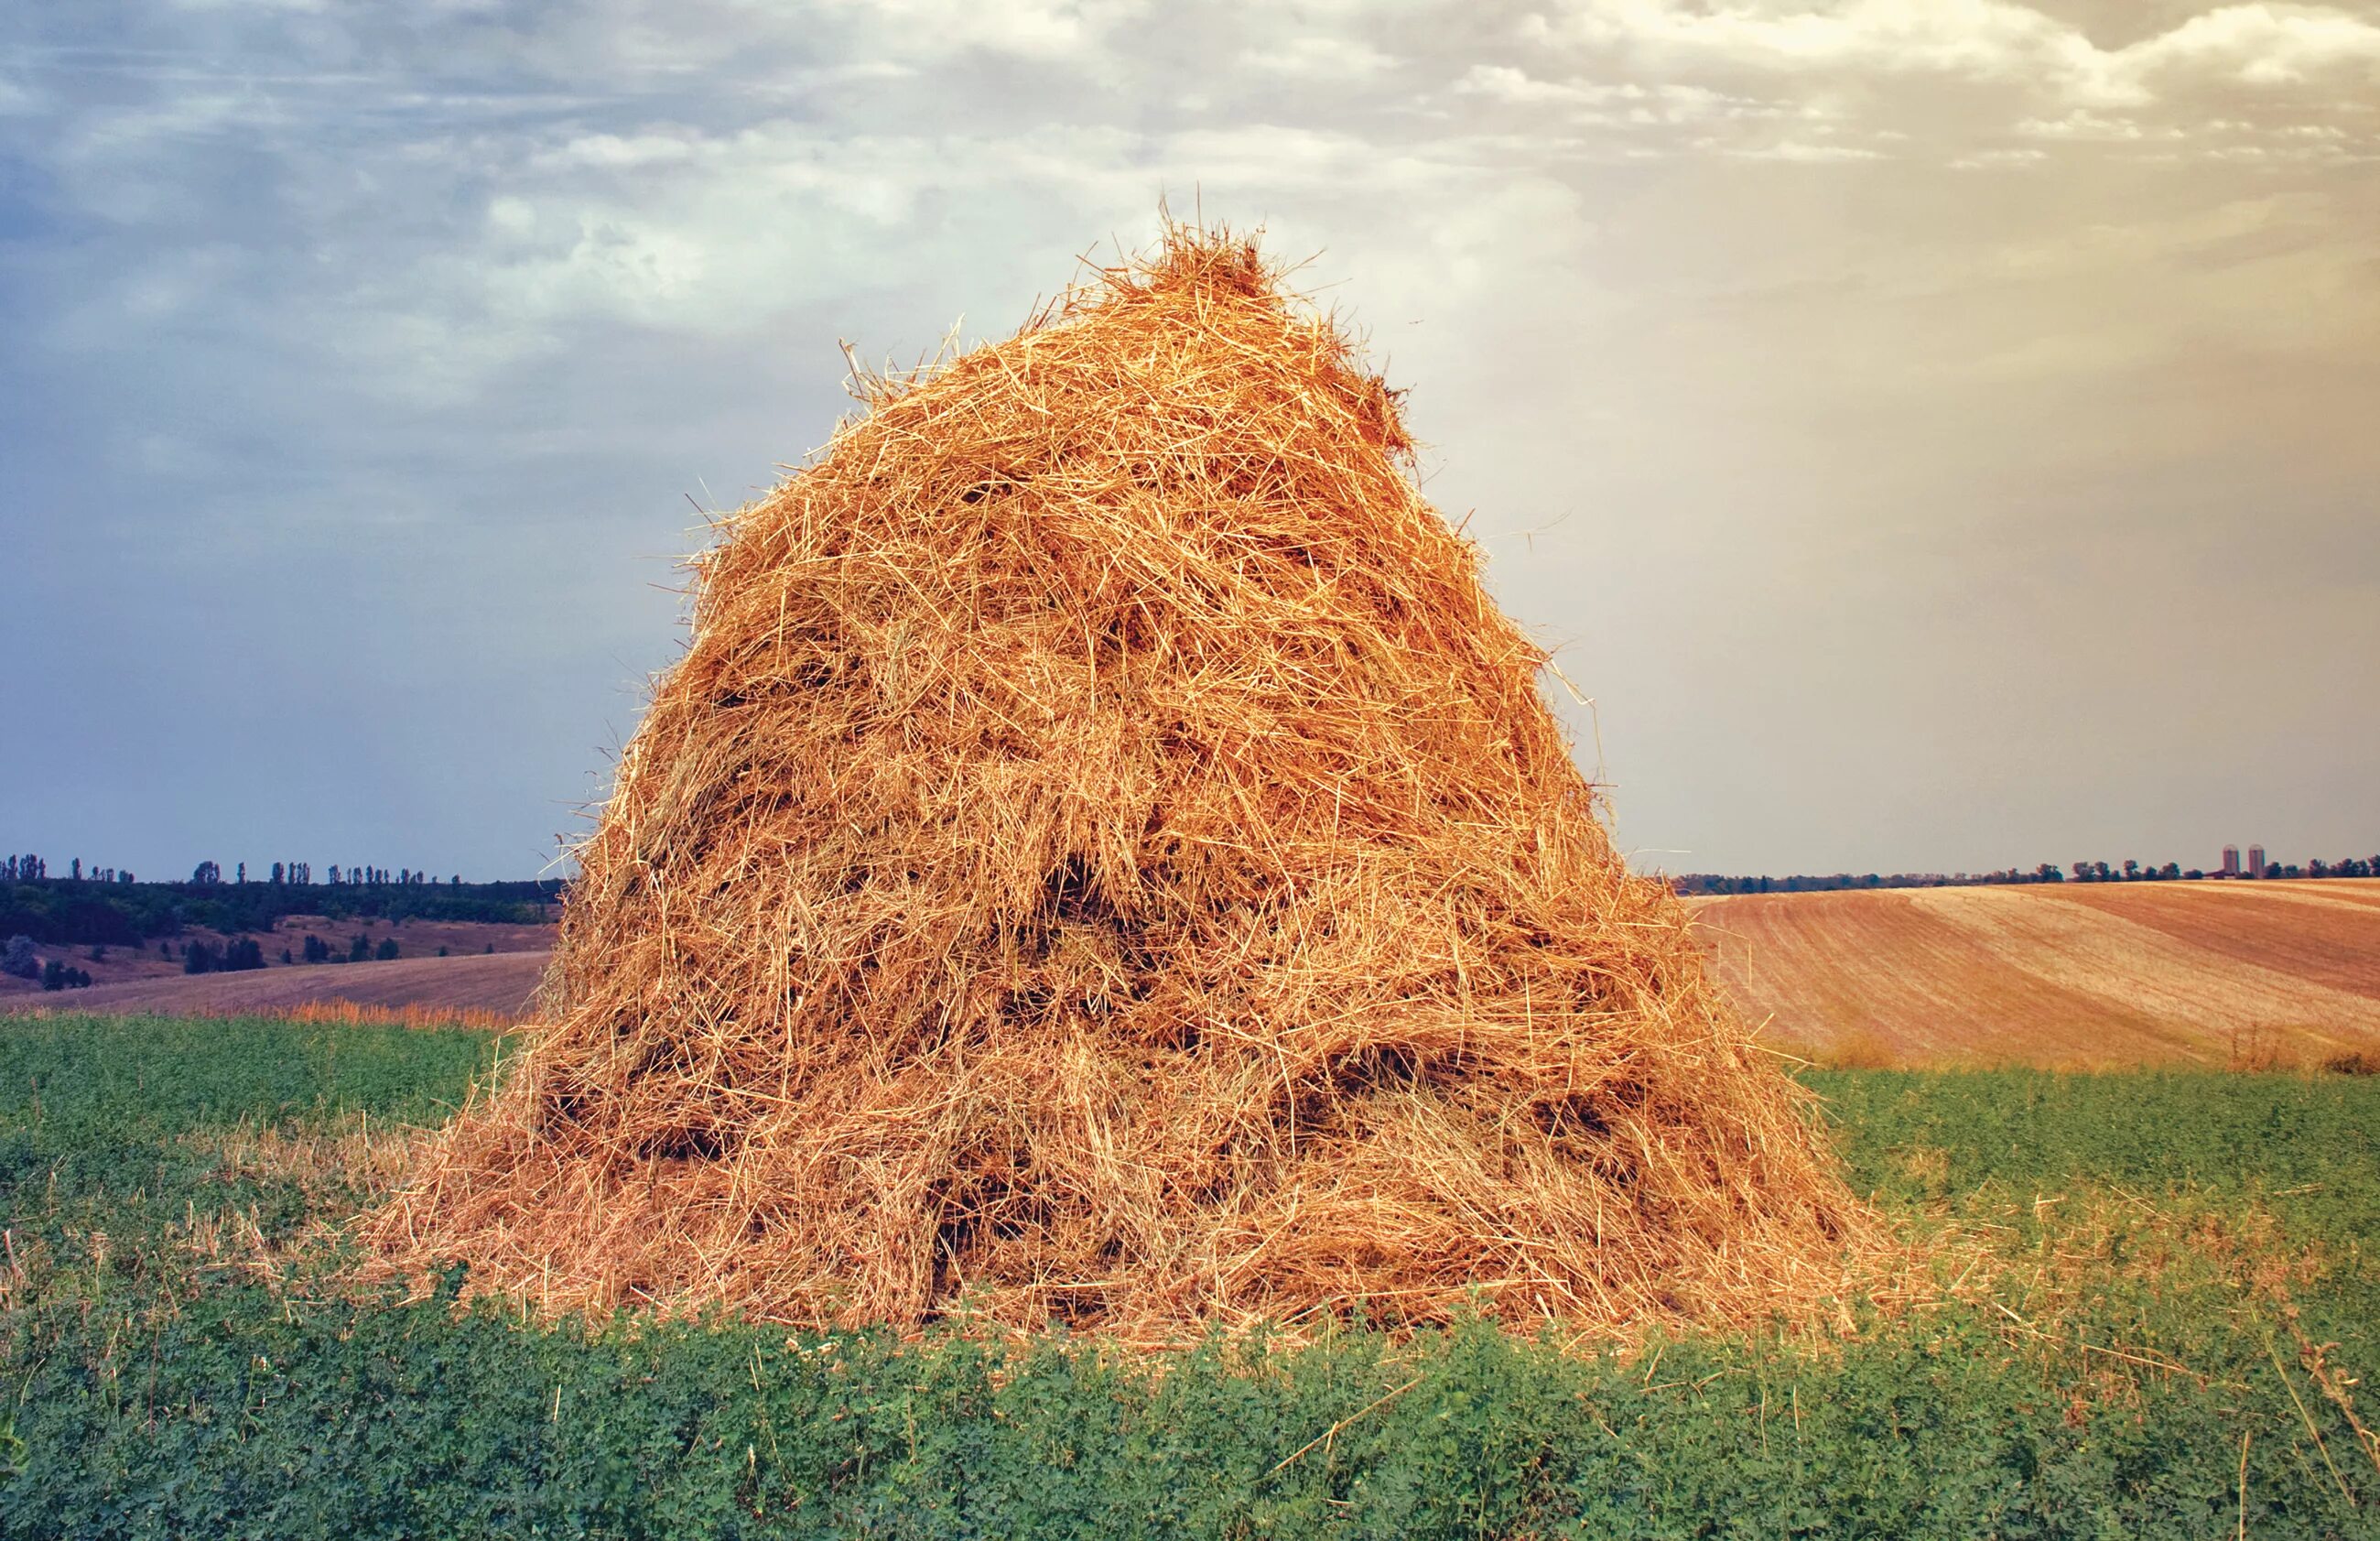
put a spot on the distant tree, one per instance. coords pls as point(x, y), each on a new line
point(358, 949)
point(206, 873)
point(77, 872)
point(17, 959)
point(491, 946)
point(335, 872)
point(441, 952)
point(286, 958)
point(2081, 872)
point(98, 954)
point(2101, 869)
point(243, 872)
point(386, 951)
point(240, 954)
point(316, 949)
point(2131, 869)
point(200, 958)
point(2172, 871)
point(165, 949)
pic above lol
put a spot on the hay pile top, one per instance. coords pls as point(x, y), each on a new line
point(1104, 857)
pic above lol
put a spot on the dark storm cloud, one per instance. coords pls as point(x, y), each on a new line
point(1938, 430)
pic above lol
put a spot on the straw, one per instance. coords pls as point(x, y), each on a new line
point(1104, 857)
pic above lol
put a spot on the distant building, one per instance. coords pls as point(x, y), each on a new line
point(2230, 861)
point(2255, 861)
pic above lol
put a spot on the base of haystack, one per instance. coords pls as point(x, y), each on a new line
point(1144, 1200)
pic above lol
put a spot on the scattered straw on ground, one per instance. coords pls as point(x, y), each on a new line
point(1104, 857)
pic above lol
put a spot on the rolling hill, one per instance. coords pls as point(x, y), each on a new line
point(499, 982)
point(2058, 974)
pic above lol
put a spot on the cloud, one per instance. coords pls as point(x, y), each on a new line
point(1807, 154)
point(1976, 38)
point(2082, 124)
point(2264, 45)
point(1993, 41)
point(1049, 30)
point(2001, 160)
point(1615, 102)
point(1716, 310)
point(1310, 57)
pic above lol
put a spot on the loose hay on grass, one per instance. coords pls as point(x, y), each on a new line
point(1104, 857)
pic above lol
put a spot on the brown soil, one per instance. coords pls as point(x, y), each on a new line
point(2057, 974)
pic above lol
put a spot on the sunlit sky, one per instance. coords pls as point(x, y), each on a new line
point(1937, 434)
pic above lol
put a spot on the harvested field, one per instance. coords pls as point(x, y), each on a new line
point(2058, 974)
point(158, 960)
point(501, 984)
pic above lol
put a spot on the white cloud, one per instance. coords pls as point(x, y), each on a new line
point(1031, 29)
point(2265, 45)
point(1992, 40)
point(1984, 38)
point(2004, 159)
point(1311, 56)
point(1804, 151)
point(2081, 124)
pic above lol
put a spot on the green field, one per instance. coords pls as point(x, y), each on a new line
point(2165, 1278)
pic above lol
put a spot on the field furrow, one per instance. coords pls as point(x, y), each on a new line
point(2058, 974)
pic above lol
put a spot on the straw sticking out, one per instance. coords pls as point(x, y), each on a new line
point(1103, 856)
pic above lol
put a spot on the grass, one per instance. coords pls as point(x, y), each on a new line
point(2165, 1277)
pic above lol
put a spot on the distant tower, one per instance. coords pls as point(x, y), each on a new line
point(2255, 861)
point(2230, 861)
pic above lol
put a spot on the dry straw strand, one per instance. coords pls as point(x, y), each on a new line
point(1102, 856)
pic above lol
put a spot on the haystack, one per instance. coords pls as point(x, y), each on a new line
point(1104, 857)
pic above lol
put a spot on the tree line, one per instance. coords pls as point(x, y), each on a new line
point(2129, 871)
point(86, 908)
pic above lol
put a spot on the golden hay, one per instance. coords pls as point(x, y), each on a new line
point(1104, 857)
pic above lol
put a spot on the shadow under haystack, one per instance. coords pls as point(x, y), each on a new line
point(1104, 857)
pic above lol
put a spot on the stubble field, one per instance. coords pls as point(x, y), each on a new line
point(2082, 974)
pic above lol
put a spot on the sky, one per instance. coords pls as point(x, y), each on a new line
point(1937, 434)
